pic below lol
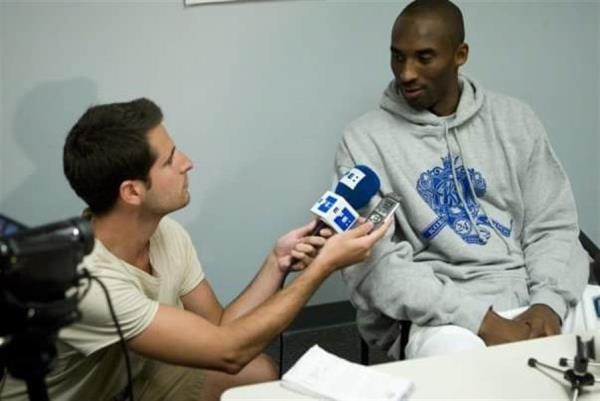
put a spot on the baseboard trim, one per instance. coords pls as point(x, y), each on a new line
point(323, 316)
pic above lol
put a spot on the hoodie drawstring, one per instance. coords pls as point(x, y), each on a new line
point(455, 180)
point(475, 198)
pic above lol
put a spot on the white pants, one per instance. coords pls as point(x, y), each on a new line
point(436, 340)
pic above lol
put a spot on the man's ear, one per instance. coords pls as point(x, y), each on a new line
point(132, 192)
point(461, 55)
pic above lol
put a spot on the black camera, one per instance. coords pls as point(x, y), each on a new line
point(39, 293)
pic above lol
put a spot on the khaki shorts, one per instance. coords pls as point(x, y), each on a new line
point(160, 381)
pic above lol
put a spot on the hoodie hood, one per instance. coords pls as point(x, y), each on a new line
point(471, 100)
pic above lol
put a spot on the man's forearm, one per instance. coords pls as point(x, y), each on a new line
point(266, 282)
point(184, 338)
point(254, 330)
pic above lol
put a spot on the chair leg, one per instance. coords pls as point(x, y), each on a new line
point(281, 354)
point(404, 333)
point(364, 352)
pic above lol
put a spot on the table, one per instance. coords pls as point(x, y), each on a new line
point(495, 373)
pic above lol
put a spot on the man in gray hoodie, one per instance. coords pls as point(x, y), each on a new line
point(485, 245)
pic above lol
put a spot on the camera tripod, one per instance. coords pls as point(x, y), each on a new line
point(577, 373)
point(39, 293)
point(31, 352)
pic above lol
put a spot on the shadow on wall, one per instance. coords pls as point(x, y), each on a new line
point(42, 120)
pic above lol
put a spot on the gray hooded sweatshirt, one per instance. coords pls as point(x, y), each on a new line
point(487, 218)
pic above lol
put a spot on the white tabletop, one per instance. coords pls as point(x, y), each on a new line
point(495, 373)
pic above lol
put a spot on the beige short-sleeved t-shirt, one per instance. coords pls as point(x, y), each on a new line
point(90, 362)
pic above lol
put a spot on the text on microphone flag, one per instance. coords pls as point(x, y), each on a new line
point(352, 178)
point(335, 211)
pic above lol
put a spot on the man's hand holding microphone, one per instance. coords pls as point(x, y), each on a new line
point(339, 237)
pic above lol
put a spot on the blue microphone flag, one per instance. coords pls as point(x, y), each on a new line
point(358, 186)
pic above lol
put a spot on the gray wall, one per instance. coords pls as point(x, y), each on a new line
point(258, 93)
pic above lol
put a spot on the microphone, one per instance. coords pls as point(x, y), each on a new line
point(338, 209)
point(353, 191)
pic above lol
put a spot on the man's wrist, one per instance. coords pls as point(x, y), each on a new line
point(272, 264)
point(319, 269)
point(547, 310)
point(549, 298)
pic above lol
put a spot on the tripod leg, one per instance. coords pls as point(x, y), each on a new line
point(534, 363)
point(575, 393)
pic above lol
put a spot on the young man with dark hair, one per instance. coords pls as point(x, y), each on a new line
point(107, 146)
point(485, 245)
point(121, 161)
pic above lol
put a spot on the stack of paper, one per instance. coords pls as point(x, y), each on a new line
point(326, 376)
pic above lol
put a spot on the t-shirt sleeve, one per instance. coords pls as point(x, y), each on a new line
point(191, 270)
point(193, 273)
point(96, 328)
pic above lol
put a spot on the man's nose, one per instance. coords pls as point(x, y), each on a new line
point(408, 72)
point(187, 163)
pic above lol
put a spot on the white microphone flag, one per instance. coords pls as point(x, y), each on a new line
point(335, 211)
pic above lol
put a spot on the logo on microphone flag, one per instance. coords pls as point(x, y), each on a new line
point(326, 203)
point(352, 178)
point(335, 211)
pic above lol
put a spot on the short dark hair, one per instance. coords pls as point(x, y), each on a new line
point(451, 14)
point(109, 145)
